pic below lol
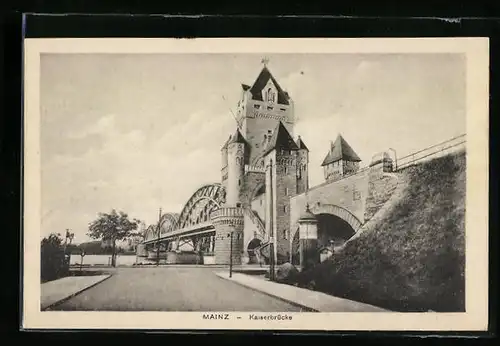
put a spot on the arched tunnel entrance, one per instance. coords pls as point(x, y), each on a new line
point(333, 231)
point(252, 257)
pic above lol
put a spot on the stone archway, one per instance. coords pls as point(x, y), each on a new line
point(252, 245)
point(335, 226)
point(333, 231)
point(340, 212)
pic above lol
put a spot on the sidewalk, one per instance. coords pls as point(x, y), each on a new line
point(311, 300)
point(56, 291)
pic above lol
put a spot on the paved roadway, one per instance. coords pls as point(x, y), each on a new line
point(172, 289)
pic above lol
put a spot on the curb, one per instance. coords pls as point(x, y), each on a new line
point(302, 306)
point(75, 294)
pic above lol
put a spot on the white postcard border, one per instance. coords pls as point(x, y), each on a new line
point(476, 317)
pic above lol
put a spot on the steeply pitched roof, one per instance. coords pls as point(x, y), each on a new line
point(226, 143)
point(340, 150)
point(281, 139)
point(260, 83)
point(237, 138)
point(301, 144)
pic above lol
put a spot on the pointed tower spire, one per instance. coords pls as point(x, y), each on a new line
point(301, 144)
point(281, 139)
point(340, 150)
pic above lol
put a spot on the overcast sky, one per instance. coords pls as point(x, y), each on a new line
point(138, 132)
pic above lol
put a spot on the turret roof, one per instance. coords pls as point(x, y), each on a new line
point(260, 83)
point(281, 139)
point(226, 143)
point(340, 150)
point(301, 144)
point(237, 138)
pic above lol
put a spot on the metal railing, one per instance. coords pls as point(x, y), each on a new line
point(256, 220)
point(434, 151)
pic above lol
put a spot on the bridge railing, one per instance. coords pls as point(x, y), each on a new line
point(434, 151)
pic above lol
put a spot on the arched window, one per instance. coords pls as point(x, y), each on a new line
point(270, 95)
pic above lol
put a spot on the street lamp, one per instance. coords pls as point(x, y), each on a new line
point(69, 236)
point(230, 234)
point(158, 243)
point(82, 254)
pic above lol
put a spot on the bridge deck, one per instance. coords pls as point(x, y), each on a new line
point(200, 228)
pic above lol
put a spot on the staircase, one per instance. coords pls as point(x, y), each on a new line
point(256, 221)
point(263, 249)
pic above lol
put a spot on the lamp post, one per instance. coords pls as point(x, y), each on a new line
point(82, 255)
point(158, 243)
point(271, 257)
point(231, 254)
point(69, 236)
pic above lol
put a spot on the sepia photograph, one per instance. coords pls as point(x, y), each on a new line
point(271, 184)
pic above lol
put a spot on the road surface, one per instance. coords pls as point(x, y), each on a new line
point(172, 289)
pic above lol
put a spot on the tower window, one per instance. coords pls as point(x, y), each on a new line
point(285, 234)
point(256, 106)
point(284, 208)
point(270, 95)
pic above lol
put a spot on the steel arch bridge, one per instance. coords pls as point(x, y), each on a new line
point(199, 206)
point(167, 224)
point(193, 221)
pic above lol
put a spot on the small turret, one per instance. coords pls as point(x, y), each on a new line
point(302, 167)
point(340, 161)
point(235, 168)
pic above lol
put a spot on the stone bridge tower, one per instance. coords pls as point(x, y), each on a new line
point(264, 133)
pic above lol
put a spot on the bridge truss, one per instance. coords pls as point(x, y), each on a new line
point(192, 226)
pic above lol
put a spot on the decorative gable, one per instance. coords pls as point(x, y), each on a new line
point(270, 92)
point(264, 81)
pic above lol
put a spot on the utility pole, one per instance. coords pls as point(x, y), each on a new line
point(158, 244)
point(272, 250)
point(231, 255)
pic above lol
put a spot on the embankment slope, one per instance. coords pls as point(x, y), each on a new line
point(413, 258)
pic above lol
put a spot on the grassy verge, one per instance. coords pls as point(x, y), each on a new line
point(414, 258)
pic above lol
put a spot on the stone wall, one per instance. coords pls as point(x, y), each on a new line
point(286, 186)
point(251, 183)
point(381, 186)
point(228, 221)
point(349, 193)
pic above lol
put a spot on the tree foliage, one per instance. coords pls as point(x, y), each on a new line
point(115, 226)
point(53, 263)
